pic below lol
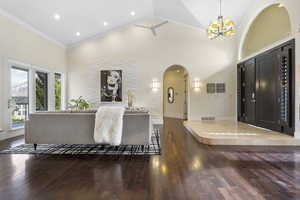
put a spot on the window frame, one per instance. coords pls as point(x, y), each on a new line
point(24, 68)
point(61, 90)
point(5, 116)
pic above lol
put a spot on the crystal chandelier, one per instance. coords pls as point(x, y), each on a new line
point(222, 27)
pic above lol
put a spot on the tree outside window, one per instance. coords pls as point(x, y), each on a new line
point(57, 91)
point(41, 80)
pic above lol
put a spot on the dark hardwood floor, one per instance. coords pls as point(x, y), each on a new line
point(185, 170)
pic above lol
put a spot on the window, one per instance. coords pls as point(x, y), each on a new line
point(41, 80)
point(19, 101)
point(31, 89)
point(58, 86)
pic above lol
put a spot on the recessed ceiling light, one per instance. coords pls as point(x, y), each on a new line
point(280, 5)
point(132, 13)
point(105, 23)
point(56, 16)
point(78, 34)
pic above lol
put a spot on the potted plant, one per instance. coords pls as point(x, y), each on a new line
point(78, 104)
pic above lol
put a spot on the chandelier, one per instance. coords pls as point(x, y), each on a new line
point(222, 27)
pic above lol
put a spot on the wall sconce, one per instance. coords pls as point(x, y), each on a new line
point(155, 85)
point(197, 85)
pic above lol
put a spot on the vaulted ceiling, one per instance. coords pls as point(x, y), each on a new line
point(88, 17)
point(206, 11)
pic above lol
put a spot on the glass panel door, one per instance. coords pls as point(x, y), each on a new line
point(41, 81)
point(58, 91)
point(19, 102)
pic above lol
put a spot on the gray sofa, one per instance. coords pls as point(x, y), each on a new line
point(78, 128)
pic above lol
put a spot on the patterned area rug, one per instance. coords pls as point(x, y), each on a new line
point(90, 149)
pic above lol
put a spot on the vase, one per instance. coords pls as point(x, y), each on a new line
point(130, 101)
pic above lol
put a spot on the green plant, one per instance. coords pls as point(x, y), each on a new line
point(79, 104)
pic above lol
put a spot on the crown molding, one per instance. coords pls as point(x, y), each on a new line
point(30, 27)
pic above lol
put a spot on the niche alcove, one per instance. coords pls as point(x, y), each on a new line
point(270, 26)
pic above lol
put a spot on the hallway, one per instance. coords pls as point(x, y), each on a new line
point(185, 170)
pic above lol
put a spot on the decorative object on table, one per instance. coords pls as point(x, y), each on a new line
point(111, 86)
point(222, 27)
point(171, 96)
point(137, 109)
point(130, 96)
point(153, 148)
point(78, 104)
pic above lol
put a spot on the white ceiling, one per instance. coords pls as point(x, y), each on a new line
point(174, 10)
point(84, 16)
point(87, 16)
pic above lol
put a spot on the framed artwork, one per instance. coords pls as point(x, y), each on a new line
point(111, 85)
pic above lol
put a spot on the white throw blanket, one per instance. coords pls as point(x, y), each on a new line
point(109, 125)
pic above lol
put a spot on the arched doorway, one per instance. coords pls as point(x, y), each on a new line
point(175, 92)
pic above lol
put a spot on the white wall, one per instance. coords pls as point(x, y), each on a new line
point(293, 9)
point(20, 43)
point(144, 57)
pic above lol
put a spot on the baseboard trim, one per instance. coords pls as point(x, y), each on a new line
point(174, 118)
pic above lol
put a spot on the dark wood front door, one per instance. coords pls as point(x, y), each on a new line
point(250, 93)
point(266, 90)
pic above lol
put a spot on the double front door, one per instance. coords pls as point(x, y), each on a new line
point(266, 89)
point(248, 92)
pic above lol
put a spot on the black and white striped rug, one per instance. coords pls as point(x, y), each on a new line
point(153, 148)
